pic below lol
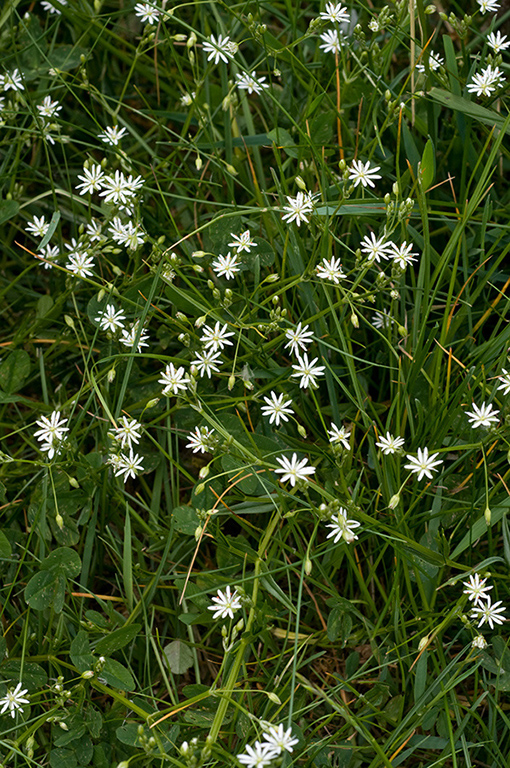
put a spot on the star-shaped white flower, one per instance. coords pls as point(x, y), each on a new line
point(129, 466)
point(505, 382)
point(174, 380)
point(390, 444)
point(279, 739)
point(277, 408)
point(13, 700)
point(307, 371)
point(242, 242)
point(340, 435)
point(226, 265)
point(217, 337)
point(342, 528)
point(376, 248)
point(476, 589)
point(293, 470)
point(483, 416)
point(298, 338)
point(362, 173)
point(225, 603)
point(221, 49)
point(201, 440)
point(331, 270)
point(52, 428)
point(332, 41)
point(490, 613)
point(423, 464)
point(111, 319)
point(336, 13)
point(298, 208)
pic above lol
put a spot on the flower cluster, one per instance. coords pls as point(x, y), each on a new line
point(275, 741)
point(484, 610)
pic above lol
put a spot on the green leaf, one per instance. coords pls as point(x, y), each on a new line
point(44, 589)
point(479, 529)
point(179, 657)
point(470, 108)
point(428, 165)
point(117, 676)
point(31, 675)
point(63, 758)
point(80, 654)
point(51, 229)
point(8, 209)
point(283, 140)
point(5, 547)
point(117, 639)
point(63, 561)
point(14, 370)
point(339, 625)
point(185, 519)
point(43, 306)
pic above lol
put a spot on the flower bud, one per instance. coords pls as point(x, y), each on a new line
point(394, 501)
point(88, 674)
point(198, 163)
point(60, 521)
point(152, 403)
point(274, 698)
point(487, 515)
point(308, 566)
point(69, 321)
point(423, 643)
point(231, 382)
point(74, 482)
point(354, 320)
point(204, 472)
point(301, 430)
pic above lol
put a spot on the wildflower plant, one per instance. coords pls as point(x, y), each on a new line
point(254, 383)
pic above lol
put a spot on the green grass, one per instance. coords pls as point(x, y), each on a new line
point(363, 647)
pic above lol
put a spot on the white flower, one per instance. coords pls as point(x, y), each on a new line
point(127, 234)
point(403, 254)
point(187, 98)
point(298, 208)
point(362, 173)
point(38, 226)
point(206, 362)
point(279, 739)
point(476, 589)
point(435, 61)
point(490, 613)
point(216, 338)
point(174, 379)
point(343, 528)
point(390, 444)
point(200, 440)
point(94, 231)
point(226, 265)
point(221, 49)
point(47, 6)
point(52, 428)
point(497, 42)
point(307, 370)
point(147, 12)
point(92, 179)
point(487, 81)
point(119, 188)
point(381, 319)
point(423, 464)
point(13, 700)
point(13, 80)
point(376, 249)
point(251, 83)
point(110, 318)
point(505, 379)
point(243, 242)
point(331, 270)
point(258, 756)
point(127, 432)
point(479, 642)
point(128, 338)
point(51, 448)
point(293, 470)
point(51, 253)
point(112, 135)
point(332, 41)
point(488, 5)
point(482, 416)
point(298, 338)
point(276, 408)
point(48, 108)
point(340, 435)
point(336, 13)
point(129, 466)
point(81, 264)
point(225, 603)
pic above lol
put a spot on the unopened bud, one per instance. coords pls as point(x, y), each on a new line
point(301, 430)
point(152, 403)
point(198, 254)
point(423, 643)
point(110, 376)
point(301, 184)
point(487, 515)
point(354, 320)
point(204, 472)
point(198, 163)
point(64, 726)
point(430, 9)
point(101, 295)
point(69, 321)
point(74, 482)
point(231, 382)
point(59, 520)
point(273, 277)
point(394, 501)
point(308, 566)
point(274, 698)
point(88, 674)
point(199, 489)
point(200, 321)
